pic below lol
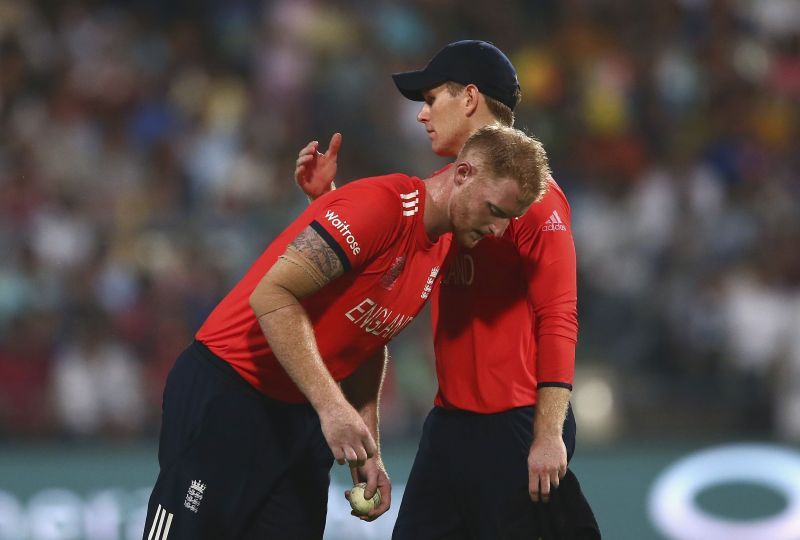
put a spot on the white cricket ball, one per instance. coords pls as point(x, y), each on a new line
point(361, 505)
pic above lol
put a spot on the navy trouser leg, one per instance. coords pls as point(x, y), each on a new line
point(227, 453)
point(297, 505)
point(469, 479)
point(428, 509)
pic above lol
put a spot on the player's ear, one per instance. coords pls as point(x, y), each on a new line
point(471, 98)
point(463, 170)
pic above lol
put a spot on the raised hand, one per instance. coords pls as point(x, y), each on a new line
point(314, 171)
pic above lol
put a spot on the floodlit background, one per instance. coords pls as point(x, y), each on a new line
point(146, 158)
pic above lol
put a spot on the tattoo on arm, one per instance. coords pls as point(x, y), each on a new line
point(311, 246)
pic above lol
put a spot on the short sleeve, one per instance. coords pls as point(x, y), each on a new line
point(358, 221)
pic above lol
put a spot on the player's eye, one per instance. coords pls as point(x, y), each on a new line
point(496, 212)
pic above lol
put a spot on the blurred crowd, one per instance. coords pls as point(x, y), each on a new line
point(147, 151)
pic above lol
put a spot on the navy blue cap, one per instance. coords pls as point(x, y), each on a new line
point(465, 62)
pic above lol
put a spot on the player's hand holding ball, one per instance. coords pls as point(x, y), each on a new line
point(361, 505)
point(372, 474)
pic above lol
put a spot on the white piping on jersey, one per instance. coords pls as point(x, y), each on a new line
point(410, 202)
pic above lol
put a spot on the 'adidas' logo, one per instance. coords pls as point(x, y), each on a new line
point(554, 223)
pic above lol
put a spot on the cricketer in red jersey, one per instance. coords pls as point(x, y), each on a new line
point(376, 227)
point(521, 287)
point(505, 328)
point(285, 374)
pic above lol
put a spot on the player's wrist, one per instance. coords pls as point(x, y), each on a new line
point(547, 434)
point(329, 403)
point(314, 195)
point(330, 187)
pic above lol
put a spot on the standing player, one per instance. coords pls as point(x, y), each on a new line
point(253, 415)
point(505, 327)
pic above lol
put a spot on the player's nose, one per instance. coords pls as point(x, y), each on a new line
point(424, 114)
point(498, 228)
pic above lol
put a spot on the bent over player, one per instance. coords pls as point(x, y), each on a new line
point(253, 415)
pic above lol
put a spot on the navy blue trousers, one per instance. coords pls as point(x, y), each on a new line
point(469, 479)
point(233, 463)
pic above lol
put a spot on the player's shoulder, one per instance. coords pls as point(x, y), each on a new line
point(553, 200)
point(390, 185)
point(387, 198)
point(554, 192)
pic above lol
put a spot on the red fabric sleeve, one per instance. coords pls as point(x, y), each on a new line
point(544, 240)
point(358, 222)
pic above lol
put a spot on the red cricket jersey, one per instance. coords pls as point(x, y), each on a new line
point(375, 226)
point(505, 316)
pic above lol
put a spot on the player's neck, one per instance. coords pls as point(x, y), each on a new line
point(437, 196)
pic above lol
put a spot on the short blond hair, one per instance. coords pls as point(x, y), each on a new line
point(507, 152)
point(501, 112)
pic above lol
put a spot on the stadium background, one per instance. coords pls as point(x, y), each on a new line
point(146, 156)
